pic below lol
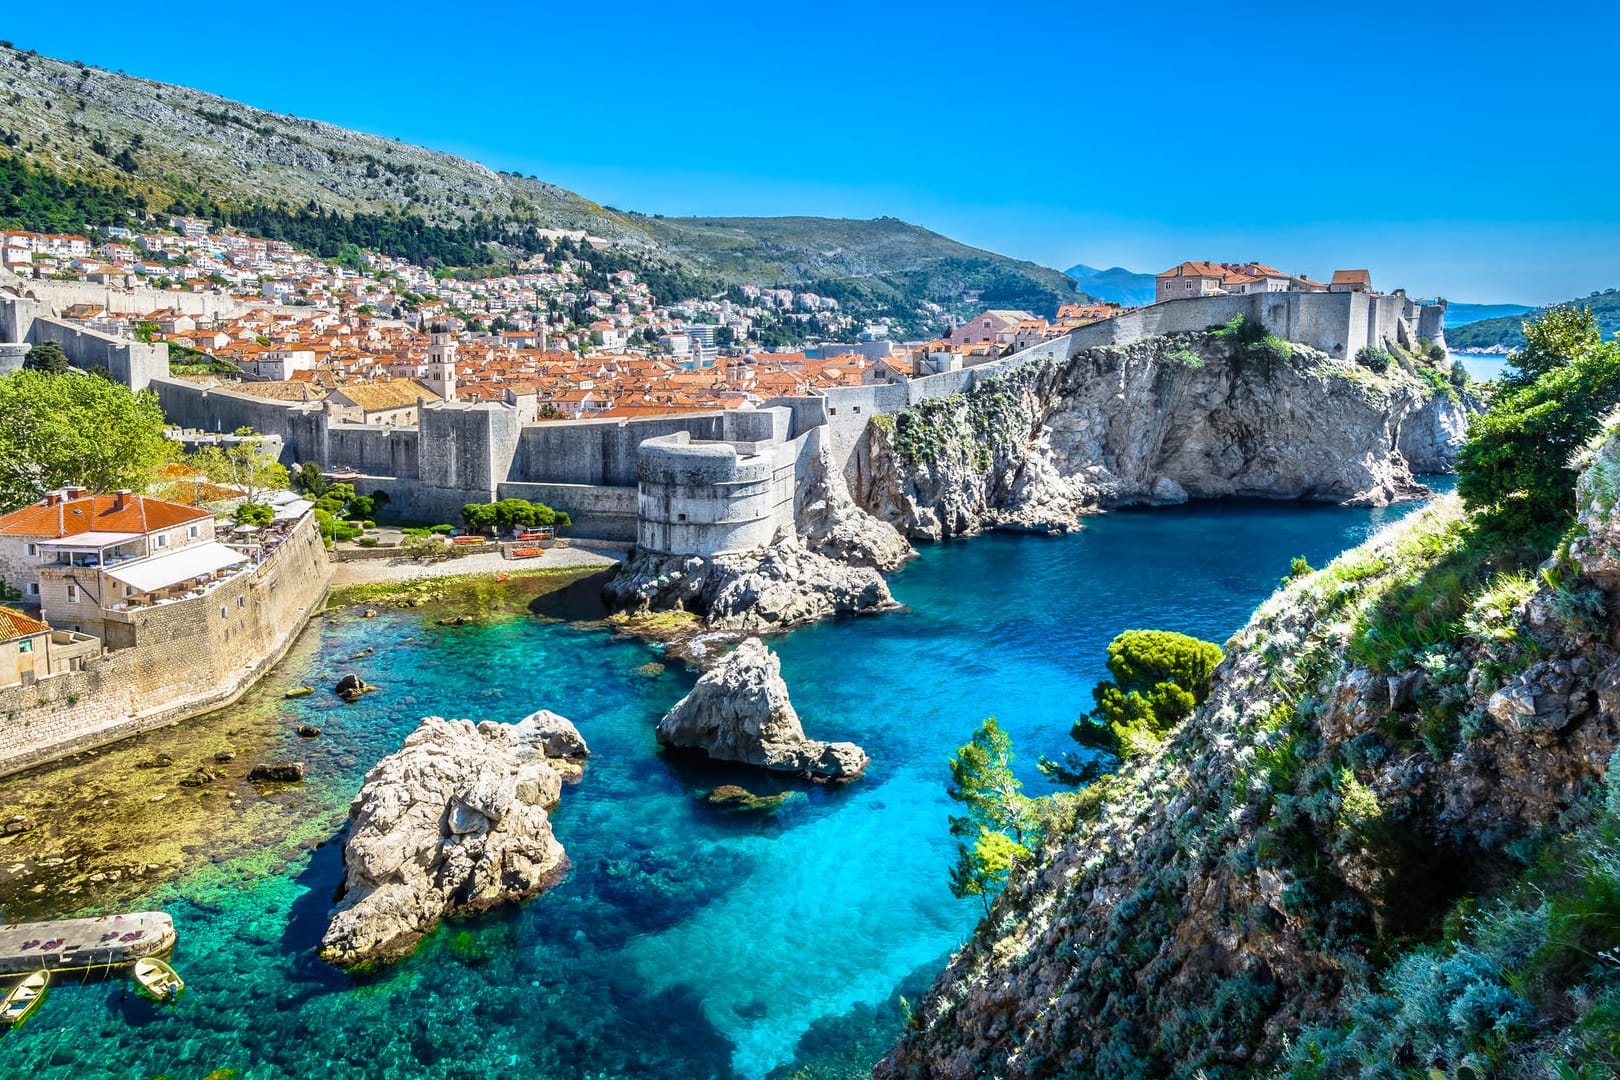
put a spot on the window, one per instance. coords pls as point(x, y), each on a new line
point(73, 594)
point(241, 601)
point(33, 549)
point(33, 588)
point(162, 540)
point(25, 645)
point(194, 532)
point(223, 611)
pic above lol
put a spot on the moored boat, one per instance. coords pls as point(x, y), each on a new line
point(157, 979)
point(23, 998)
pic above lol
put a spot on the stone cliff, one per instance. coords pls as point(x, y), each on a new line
point(1379, 848)
point(1157, 421)
point(453, 822)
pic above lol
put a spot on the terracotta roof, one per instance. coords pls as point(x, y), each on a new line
point(14, 624)
point(99, 513)
point(1351, 277)
point(1193, 268)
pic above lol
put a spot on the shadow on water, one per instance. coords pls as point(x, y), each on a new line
point(578, 601)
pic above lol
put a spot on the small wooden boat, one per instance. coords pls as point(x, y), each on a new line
point(21, 1000)
point(157, 979)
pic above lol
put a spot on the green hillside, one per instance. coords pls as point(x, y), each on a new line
point(1507, 332)
point(128, 143)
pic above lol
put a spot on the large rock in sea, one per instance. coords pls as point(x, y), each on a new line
point(455, 821)
point(739, 711)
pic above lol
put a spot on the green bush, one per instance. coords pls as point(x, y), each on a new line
point(1374, 359)
point(254, 514)
point(1517, 463)
point(1437, 352)
point(367, 541)
point(441, 530)
point(1459, 374)
point(510, 513)
point(1160, 677)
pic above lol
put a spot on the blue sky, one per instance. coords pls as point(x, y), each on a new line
point(1457, 149)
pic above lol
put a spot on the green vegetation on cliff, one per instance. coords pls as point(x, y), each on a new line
point(1384, 846)
point(1507, 332)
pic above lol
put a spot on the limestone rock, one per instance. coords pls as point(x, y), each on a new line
point(1043, 443)
point(351, 688)
point(739, 711)
point(755, 592)
point(280, 771)
point(455, 821)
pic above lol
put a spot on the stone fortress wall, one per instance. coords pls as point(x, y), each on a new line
point(194, 655)
point(614, 475)
point(31, 322)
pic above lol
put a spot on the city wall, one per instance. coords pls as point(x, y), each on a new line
point(133, 363)
point(138, 301)
point(194, 655)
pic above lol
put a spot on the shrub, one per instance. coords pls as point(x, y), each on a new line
point(1298, 567)
point(1459, 374)
point(1517, 463)
point(367, 541)
point(510, 513)
point(441, 530)
point(254, 514)
point(1160, 677)
point(1437, 352)
point(1374, 359)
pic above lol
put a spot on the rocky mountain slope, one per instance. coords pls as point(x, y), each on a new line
point(1160, 420)
point(1384, 845)
point(163, 141)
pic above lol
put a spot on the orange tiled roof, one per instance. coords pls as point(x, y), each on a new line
point(14, 624)
point(98, 513)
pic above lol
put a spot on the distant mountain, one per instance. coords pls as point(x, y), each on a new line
point(1502, 334)
point(85, 146)
point(1463, 314)
point(1117, 284)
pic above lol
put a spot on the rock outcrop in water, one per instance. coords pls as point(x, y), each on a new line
point(739, 711)
point(1156, 421)
point(1267, 889)
point(832, 564)
point(455, 821)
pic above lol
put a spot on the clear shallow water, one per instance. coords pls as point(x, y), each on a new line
point(686, 942)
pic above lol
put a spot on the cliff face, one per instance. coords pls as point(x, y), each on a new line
point(1407, 727)
point(1160, 420)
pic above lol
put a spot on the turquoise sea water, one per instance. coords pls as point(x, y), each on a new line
point(1484, 367)
point(686, 942)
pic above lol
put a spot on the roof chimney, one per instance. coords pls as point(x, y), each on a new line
point(121, 498)
point(75, 492)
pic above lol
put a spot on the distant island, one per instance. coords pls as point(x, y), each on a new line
point(1507, 332)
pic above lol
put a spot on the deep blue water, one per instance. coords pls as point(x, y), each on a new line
point(686, 942)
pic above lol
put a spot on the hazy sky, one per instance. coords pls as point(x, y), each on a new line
point(1465, 150)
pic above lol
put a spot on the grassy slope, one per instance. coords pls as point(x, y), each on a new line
point(192, 141)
